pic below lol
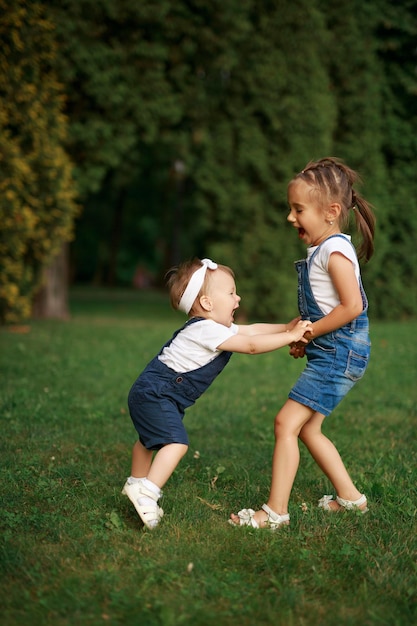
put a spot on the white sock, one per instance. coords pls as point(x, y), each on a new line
point(146, 500)
point(132, 480)
point(151, 486)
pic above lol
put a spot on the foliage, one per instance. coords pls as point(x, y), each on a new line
point(187, 119)
point(72, 547)
point(36, 195)
point(242, 98)
point(373, 66)
point(255, 142)
point(396, 269)
point(113, 61)
point(238, 108)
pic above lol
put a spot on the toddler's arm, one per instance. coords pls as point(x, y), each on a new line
point(260, 343)
point(266, 329)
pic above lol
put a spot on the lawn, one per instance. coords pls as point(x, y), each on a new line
point(73, 550)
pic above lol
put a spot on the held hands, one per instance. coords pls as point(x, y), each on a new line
point(297, 329)
point(297, 348)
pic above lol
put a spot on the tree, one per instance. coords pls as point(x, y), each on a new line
point(114, 60)
point(236, 96)
point(257, 135)
point(396, 274)
point(37, 204)
point(241, 99)
point(357, 82)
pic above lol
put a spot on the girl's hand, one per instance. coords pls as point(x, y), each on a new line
point(297, 350)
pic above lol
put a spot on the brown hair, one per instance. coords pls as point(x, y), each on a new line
point(333, 181)
point(179, 276)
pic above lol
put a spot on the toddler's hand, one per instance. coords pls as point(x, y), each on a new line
point(298, 331)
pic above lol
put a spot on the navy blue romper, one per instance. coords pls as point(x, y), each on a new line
point(159, 397)
point(335, 361)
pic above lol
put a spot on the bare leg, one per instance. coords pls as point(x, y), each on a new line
point(165, 462)
point(286, 457)
point(144, 494)
point(328, 459)
point(141, 460)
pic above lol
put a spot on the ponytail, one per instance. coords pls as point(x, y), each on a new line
point(365, 224)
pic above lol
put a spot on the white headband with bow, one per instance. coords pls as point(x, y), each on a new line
point(195, 283)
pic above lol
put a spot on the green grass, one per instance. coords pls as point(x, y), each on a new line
point(72, 548)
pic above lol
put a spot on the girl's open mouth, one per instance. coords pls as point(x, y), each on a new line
point(301, 232)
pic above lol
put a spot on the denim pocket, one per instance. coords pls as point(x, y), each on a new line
point(356, 365)
point(325, 343)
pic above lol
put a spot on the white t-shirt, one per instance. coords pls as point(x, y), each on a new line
point(320, 281)
point(196, 345)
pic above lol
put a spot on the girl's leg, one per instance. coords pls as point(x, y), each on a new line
point(165, 462)
point(328, 459)
point(288, 424)
point(286, 455)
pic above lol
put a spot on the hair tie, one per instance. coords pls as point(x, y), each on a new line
point(194, 285)
point(354, 200)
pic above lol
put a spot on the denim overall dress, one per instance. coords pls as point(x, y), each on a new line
point(159, 397)
point(335, 361)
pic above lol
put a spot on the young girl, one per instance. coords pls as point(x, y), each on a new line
point(184, 369)
point(330, 294)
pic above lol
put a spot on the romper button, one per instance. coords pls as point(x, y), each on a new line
point(179, 379)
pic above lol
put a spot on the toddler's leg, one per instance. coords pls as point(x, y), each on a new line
point(143, 487)
point(165, 462)
point(141, 460)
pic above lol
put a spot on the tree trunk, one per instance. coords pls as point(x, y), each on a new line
point(51, 301)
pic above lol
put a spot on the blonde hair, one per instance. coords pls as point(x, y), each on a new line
point(179, 276)
point(333, 181)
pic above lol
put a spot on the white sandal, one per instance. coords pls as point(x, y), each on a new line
point(150, 514)
point(246, 518)
point(324, 503)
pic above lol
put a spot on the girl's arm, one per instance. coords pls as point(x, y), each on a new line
point(257, 344)
point(345, 282)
